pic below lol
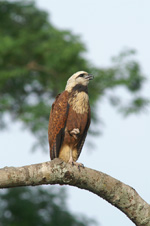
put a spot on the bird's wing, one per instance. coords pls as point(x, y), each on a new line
point(57, 123)
point(82, 140)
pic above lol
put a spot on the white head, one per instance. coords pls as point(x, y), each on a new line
point(80, 77)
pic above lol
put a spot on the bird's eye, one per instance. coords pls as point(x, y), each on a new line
point(81, 75)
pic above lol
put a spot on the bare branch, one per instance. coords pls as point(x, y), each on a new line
point(115, 192)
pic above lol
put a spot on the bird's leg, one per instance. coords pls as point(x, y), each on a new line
point(71, 158)
point(75, 132)
point(74, 163)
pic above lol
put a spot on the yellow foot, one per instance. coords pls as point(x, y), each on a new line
point(75, 163)
point(75, 132)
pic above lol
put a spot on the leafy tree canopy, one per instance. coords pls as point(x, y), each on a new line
point(38, 206)
point(36, 60)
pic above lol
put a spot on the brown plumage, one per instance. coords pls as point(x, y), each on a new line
point(70, 119)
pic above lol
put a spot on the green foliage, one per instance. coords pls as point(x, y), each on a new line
point(37, 59)
point(38, 207)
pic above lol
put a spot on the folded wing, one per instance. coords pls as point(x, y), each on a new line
point(57, 123)
point(82, 140)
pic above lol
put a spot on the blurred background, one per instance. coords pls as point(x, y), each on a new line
point(42, 43)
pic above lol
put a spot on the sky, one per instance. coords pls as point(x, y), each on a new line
point(123, 150)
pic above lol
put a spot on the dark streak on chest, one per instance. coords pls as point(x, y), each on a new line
point(80, 88)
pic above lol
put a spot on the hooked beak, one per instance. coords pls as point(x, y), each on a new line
point(89, 77)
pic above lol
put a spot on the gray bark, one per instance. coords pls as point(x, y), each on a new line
point(114, 191)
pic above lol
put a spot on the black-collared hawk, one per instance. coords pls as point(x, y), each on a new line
point(70, 119)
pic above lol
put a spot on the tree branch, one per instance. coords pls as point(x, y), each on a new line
point(115, 192)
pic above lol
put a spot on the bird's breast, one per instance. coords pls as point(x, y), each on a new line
point(79, 102)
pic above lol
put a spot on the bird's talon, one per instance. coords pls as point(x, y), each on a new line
point(80, 165)
point(75, 163)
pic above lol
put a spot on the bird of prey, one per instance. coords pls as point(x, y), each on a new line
point(70, 119)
